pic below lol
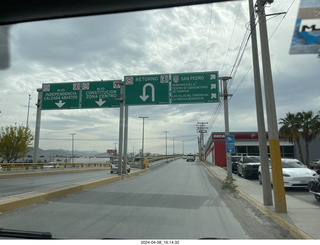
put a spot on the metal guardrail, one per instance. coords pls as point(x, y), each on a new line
point(27, 166)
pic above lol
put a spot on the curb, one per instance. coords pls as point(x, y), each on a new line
point(296, 232)
point(21, 200)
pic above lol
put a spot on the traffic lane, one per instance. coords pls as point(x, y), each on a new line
point(176, 201)
point(14, 186)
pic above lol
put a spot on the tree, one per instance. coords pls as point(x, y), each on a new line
point(310, 126)
point(290, 130)
point(15, 142)
point(303, 124)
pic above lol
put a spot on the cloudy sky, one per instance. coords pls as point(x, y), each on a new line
point(185, 39)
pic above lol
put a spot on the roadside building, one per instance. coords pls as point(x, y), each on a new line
point(246, 143)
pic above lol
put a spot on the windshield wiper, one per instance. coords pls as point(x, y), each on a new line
point(24, 234)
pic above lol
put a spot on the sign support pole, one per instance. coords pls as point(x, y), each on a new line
point(37, 130)
point(142, 157)
point(120, 131)
point(125, 140)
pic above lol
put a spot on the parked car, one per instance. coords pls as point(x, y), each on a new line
point(295, 173)
point(315, 164)
point(248, 166)
point(114, 166)
point(190, 157)
point(314, 186)
point(234, 161)
point(184, 157)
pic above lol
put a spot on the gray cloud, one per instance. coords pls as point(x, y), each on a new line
point(186, 39)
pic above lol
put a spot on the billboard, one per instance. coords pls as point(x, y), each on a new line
point(306, 36)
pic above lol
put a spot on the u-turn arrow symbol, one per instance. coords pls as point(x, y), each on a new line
point(144, 97)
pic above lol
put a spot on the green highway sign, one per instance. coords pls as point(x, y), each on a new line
point(147, 89)
point(100, 94)
point(60, 96)
point(77, 95)
point(197, 87)
point(178, 88)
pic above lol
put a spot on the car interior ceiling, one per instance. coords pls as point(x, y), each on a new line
point(16, 11)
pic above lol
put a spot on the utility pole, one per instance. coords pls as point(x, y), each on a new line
point(226, 123)
point(277, 175)
point(201, 128)
point(263, 148)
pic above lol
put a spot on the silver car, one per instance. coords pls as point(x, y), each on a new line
point(248, 166)
point(295, 173)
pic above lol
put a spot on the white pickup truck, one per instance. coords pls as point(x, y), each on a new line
point(114, 166)
point(191, 157)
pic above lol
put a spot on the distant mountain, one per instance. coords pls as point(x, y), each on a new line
point(66, 153)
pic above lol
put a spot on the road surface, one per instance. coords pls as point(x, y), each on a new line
point(179, 200)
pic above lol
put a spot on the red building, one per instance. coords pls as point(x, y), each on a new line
point(246, 143)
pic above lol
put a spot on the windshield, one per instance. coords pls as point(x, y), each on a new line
point(292, 163)
point(251, 159)
point(143, 89)
point(235, 158)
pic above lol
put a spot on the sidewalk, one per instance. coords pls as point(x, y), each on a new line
point(302, 219)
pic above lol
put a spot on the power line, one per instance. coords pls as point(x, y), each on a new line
point(236, 65)
point(234, 25)
point(209, 35)
point(238, 61)
point(285, 14)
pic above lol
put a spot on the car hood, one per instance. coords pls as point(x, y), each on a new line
point(299, 172)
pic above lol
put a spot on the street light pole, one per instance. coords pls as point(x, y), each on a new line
point(142, 139)
point(72, 155)
point(28, 111)
point(182, 147)
point(173, 146)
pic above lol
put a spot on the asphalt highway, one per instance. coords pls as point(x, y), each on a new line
point(179, 200)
